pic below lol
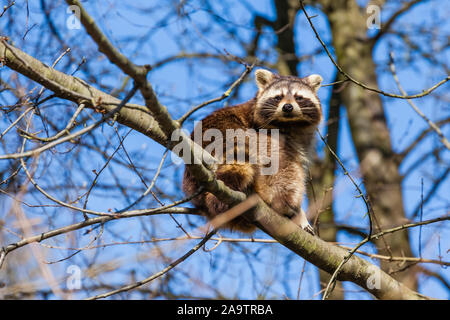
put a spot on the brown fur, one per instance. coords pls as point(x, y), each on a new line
point(284, 190)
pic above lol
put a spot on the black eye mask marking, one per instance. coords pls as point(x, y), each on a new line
point(304, 102)
point(277, 98)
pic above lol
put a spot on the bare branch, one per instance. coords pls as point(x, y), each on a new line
point(156, 275)
point(432, 125)
point(406, 6)
point(350, 78)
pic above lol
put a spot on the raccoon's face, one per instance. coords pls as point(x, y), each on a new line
point(287, 100)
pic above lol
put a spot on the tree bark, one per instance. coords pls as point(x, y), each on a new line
point(320, 192)
point(322, 170)
point(370, 132)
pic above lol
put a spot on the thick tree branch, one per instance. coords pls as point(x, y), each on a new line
point(322, 254)
point(159, 112)
point(74, 89)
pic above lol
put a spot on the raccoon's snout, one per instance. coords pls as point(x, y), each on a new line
point(287, 108)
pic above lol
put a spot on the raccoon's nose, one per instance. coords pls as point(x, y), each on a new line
point(287, 108)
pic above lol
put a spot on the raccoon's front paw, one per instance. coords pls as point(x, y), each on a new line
point(309, 229)
point(301, 220)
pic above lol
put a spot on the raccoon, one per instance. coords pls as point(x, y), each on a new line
point(286, 104)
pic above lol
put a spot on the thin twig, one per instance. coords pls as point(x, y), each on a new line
point(375, 236)
point(432, 125)
point(225, 95)
point(5, 8)
point(350, 78)
point(156, 275)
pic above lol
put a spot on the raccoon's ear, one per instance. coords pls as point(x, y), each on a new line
point(314, 81)
point(263, 78)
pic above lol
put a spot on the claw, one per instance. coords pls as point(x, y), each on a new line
point(309, 229)
point(301, 220)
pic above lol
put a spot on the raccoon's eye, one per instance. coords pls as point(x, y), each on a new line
point(277, 98)
point(298, 98)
